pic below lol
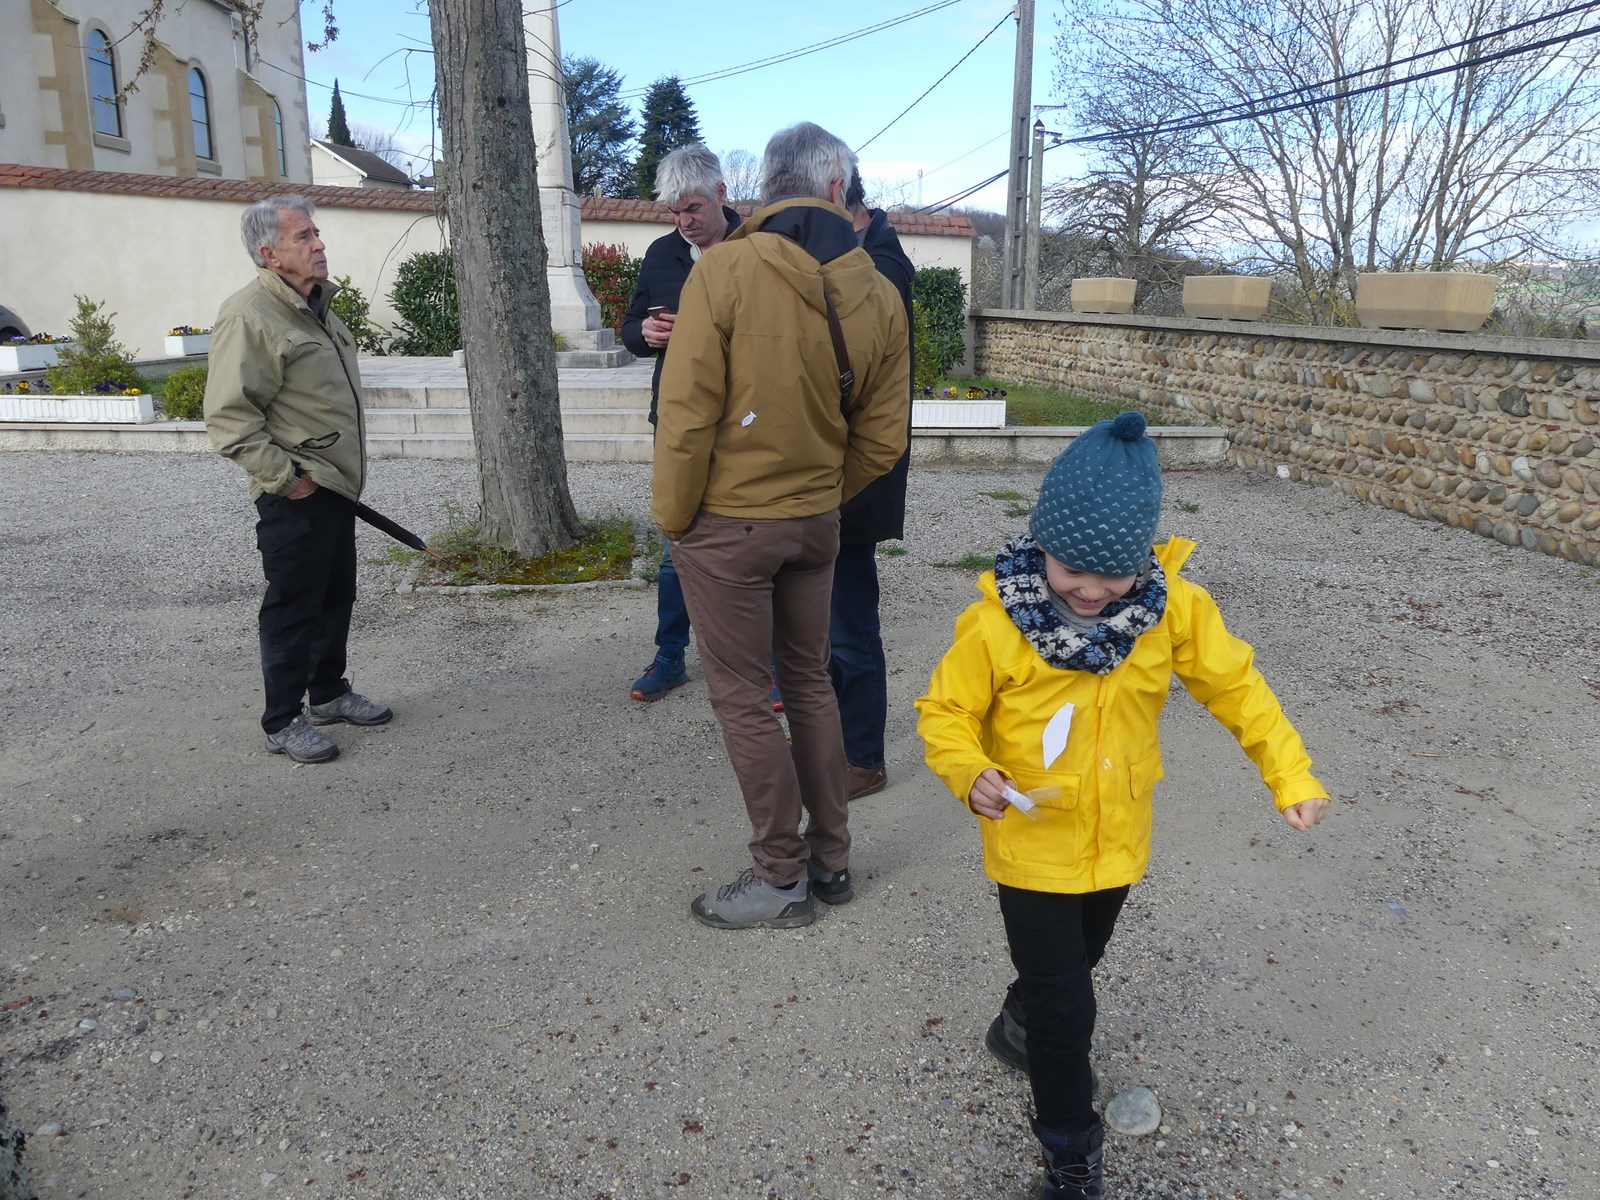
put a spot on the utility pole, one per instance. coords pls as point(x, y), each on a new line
point(1030, 281)
point(1011, 291)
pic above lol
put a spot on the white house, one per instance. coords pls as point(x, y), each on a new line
point(334, 165)
point(210, 103)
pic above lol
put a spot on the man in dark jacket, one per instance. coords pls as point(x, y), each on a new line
point(876, 514)
point(689, 182)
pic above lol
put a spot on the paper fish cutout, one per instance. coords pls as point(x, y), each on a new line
point(1055, 735)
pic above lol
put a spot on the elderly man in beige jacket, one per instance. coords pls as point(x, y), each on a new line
point(784, 394)
point(283, 401)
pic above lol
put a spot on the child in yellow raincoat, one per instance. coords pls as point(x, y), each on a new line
point(1054, 685)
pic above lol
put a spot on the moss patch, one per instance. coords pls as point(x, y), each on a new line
point(605, 552)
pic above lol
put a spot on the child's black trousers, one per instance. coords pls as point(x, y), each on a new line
point(1056, 939)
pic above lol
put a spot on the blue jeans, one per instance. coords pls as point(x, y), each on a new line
point(672, 614)
point(857, 667)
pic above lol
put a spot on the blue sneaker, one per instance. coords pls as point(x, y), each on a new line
point(659, 678)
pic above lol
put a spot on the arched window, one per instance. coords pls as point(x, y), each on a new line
point(103, 99)
point(200, 114)
point(277, 131)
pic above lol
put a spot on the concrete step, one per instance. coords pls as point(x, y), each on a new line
point(586, 447)
point(428, 421)
point(415, 397)
point(588, 389)
point(581, 360)
point(418, 420)
point(585, 421)
point(419, 445)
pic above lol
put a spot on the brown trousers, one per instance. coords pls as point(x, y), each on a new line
point(759, 591)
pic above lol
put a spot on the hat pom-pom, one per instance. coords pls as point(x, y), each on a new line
point(1128, 426)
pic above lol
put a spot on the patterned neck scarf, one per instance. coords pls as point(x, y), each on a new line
point(1019, 575)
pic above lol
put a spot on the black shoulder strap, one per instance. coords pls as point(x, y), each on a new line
point(847, 377)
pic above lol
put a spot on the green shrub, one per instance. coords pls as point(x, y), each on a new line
point(424, 298)
point(939, 295)
point(183, 394)
point(612, 275)
point(925, 355)
point(98, 363)
point(351, 307)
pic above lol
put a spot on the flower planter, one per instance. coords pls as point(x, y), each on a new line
point(188, 343)
point(103, 410)
point(1226, 297)
point(30, 356)
point(958, 414)
point(1109, 295)
point(1438, 301)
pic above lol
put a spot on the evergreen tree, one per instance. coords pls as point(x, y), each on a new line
point(338, 127)
point(598, 127)
point(667, 122)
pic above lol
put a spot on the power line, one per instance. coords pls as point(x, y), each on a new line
point(774, 60)
point(936, 83)
point(1212, 119)
point(960, 196)
point(1302, 89)
point(1215, 117)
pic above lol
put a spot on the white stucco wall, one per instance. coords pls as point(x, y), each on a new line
point(160, 262)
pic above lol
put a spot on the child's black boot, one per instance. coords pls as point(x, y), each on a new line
point(1071, 1163)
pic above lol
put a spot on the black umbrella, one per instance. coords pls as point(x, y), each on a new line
point(395, 530)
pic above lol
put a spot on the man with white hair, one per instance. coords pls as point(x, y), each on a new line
point(283, 401)
point(689, 182)
point(786, 392)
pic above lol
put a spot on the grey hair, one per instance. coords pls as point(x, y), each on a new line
point(690, 170)
point(258, 226)
point(803, 160)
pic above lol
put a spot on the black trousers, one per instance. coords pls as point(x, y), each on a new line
point(308, 555)
point(1056, 939)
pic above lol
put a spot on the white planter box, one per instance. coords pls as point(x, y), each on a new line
point(958, 414)
point(188, 343)
point(1226, 297)
point(1438, 301)
point(102, 410)
point(1106, 294)
point(30, 357)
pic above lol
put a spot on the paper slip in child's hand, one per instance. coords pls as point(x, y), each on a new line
point(1026, 802)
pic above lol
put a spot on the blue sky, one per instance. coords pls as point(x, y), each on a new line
point(955, 137)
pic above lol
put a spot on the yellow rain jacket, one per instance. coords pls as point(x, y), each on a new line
point(991, 702)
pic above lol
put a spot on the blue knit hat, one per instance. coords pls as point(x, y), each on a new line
point(1100, 499)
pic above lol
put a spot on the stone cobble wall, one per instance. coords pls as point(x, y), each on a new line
point(1496, 435)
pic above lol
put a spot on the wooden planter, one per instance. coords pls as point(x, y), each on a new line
point(1438, 301)
point(1108, 295)
point(30, 356)
point(1226, 297)
point(100, 410)
point(182, 344)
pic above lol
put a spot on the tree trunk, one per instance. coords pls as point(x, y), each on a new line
point(492, 198)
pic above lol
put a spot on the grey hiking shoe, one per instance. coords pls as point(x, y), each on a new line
point(302, 743)
point(352, 707)
point(831, 887)
point(751, 903)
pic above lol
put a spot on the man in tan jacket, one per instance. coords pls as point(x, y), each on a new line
point(283, 401)
point(758, 443)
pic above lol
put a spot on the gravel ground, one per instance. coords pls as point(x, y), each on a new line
point(459, 961)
